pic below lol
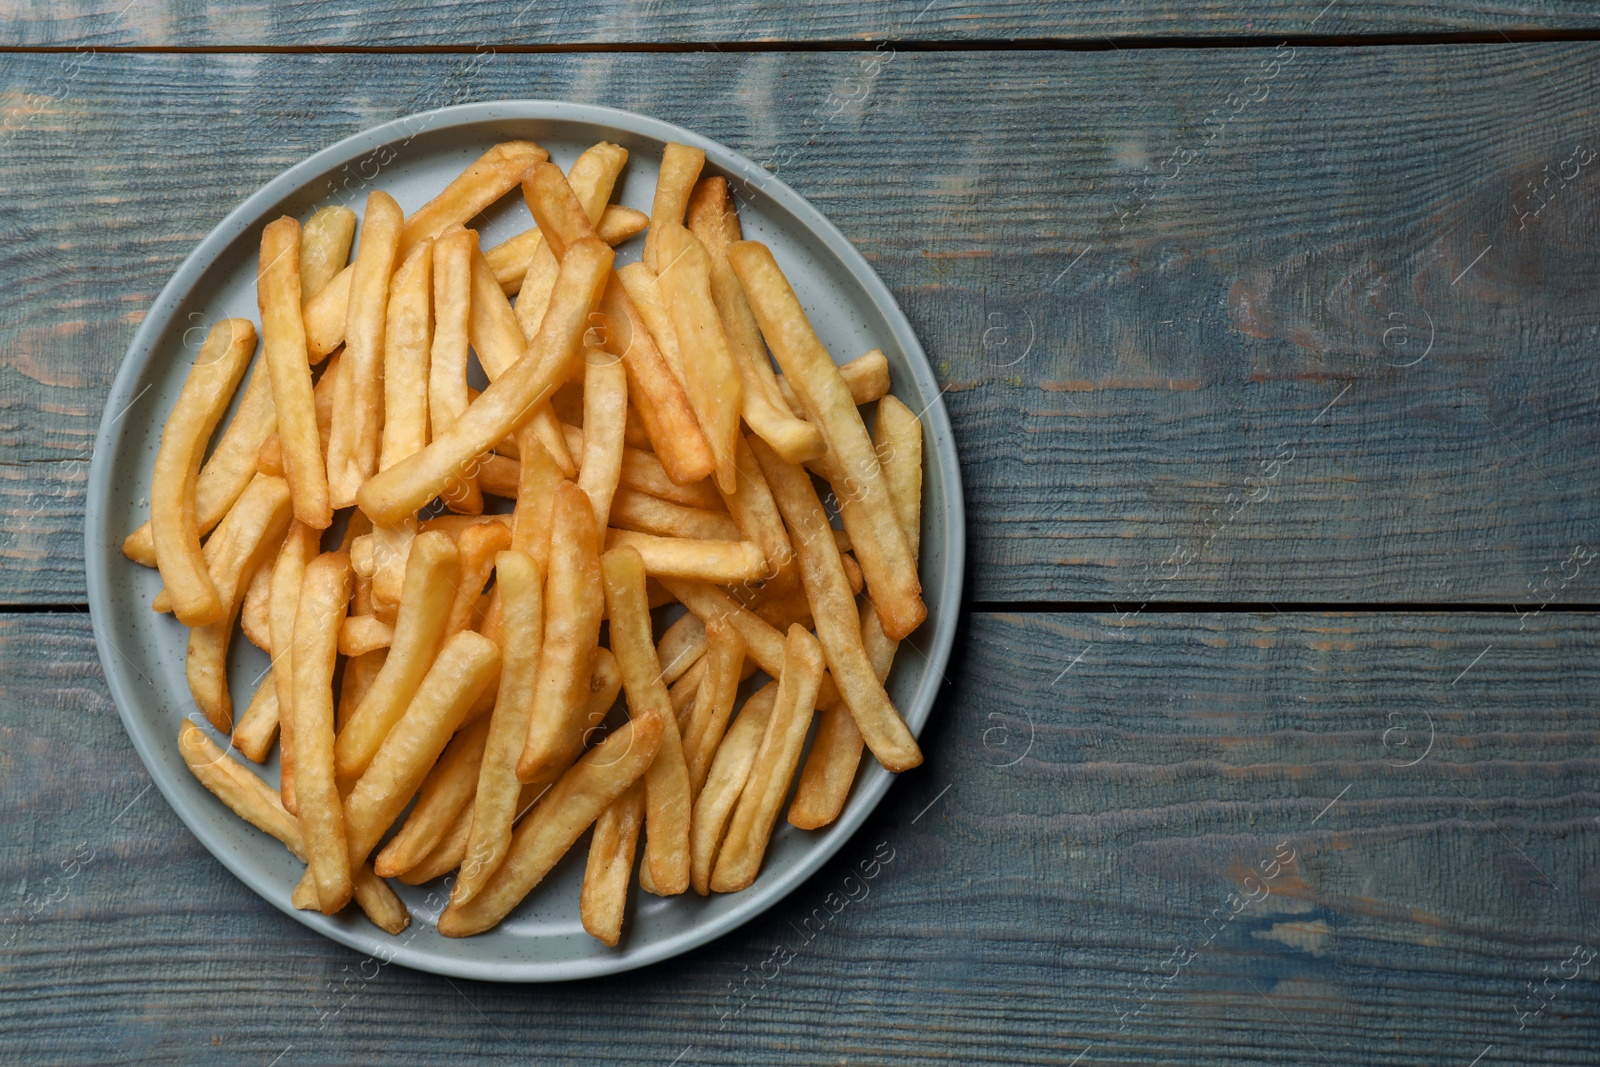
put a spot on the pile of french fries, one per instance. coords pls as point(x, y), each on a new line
point(445, 671)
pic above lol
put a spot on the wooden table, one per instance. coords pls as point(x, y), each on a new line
point(1269, 334)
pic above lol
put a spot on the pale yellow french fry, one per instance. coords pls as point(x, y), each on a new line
point(402, 489)
point(255, 618)
point(432, 576)
point(643, 289)
point(447, 358)
point(444, 794)
point(719, 562)
point(574, 601)
point(381, 554)
point(324, 599)
point(325, 316)
point(284, 349)
point(491, 176)
point(711, 375)
point(359, 674)
point(257, 728)
point(174, 529)
point(467, 665)
point(681, 647)
point(354, 440)
point(240, 546)
point(667, 790)
point(510, 258)
point(834, 609)
point(324, 248)
point(756, 514)
point(708, 717)
point(407, 339)
point(864, 501)
point(361, 634)
point(557, 821)
point(604, 896)
point(680, 168)
point(713, 219)
point(750, 829)
point(633, 510)
point(478, 545)
point(724, 781)
point(605, 413)
point(299, 549)
point(448, 854)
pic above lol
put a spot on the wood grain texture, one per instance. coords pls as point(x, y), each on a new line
point(167, 23)
point(1068, 830)
point(1140, 367)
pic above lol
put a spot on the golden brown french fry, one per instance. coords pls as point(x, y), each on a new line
point(299, 548)
point(667, 791)
point(407, 339)
point(645, 472)
point(768, 782)
point(604, 897)
point(830, 769)
point(725, 781)
point(381, 555)
point(467, 665)
point(444, 794)
point(509, 259)
point(325, 316)
point(354, 440)
point(174, 529)
point(593, 176)
point(255, 614)
point(866, 376)
point(868, 512)
point(498, 476)
point(324, 599)
point(557, 821)
point(284, 347)
point(633, 510)
point(834, 609)
point(681, 646)
point(538, 478)
point(605, 412)
point(257, 728)
point(719, 562)
point(324, 248)
point(763, 643)
point(713, 219)
point(360, 634)
point(710, 374)
point(448, 854)
point(432, 575)
point(359, 674)
point(241, 545)
point(713, 705)
point(618, 224)
point(643, 288)
point(521, 629)
point(453, 253)
point(680, 167)
point(574, 601)
point(684, 691)
point(478, 545)
point(402, 489)
point(456, 525)
point(269, 460)
point(556, 208)
point(756, 514)
point(491, 176)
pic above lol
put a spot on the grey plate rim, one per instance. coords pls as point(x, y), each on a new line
point(100, 554)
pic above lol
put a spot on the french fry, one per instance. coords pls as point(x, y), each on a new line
point(467, 665)
point(354, 440)
point(667, 791)
point(174, 530)
point(619, 223)
point(407, 339)
point(257, 728)
point(255, 614)
point(645, 472)
point(830, 769)
point(359, 674)
point(713, 219)
point(724, 782)
point(456, 525)
point(325, 316)
point(557, 821)
point(498, 476)
point(835, 612)
point(284, 348)
point(404, 488)
point(713, 704)
point(381, 555)
point(538, 477)
point(324, 248)
point(228, 470)
point(868, 512)
point(643, 289)
point(605, 412)
point(324, 598)
point(633, 510)
point(453, 253)
point(756, 515)
point(432, 576)
point(555, 206)
point(710, 374)
point(509, 259)
point(867, 377)
point(451, 850)
point(521, 627)
point(360, 634)
point(269, 459)
point(491, 176)
point(478, 545)
point(574, 601)
point(288, 571)
point(444, 794)
point(681, 647)
point(718, 562)
point(680, 167)
point(604, 896)
point(593, 176)
point(768, 782)
point(239, 547)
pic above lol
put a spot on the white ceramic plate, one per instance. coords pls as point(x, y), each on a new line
point(143, 653)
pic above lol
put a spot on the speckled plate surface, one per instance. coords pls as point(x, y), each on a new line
point(143, 653)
